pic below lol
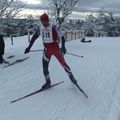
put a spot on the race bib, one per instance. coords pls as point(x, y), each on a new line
point(47, 35)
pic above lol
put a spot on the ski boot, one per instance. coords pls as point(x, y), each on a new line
point(47, 84)
point(73, 79)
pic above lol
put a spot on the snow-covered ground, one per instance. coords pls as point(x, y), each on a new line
point(98, 73)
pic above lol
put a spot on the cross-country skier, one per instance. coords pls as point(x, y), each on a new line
point(2, 48)
point(50, 36)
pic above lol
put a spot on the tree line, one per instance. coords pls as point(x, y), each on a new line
point(105, 23)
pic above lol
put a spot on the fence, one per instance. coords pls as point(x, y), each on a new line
point(73, 35)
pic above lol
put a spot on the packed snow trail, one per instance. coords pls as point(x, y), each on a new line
point(98, 73)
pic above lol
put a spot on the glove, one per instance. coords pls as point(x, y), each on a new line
point(27, 50)
point(63, 50)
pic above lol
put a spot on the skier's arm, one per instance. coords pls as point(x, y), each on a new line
point(63, 41)
point(34, 37)
point(62, 38)
point(63, 49)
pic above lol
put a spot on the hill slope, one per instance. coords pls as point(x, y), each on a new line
point(98, 73)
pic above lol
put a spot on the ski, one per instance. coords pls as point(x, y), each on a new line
point(6, 62)
point(11, 56)
point(15, 62)
point(81, 90)
point(35, 92)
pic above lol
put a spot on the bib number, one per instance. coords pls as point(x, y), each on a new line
point(45, 35)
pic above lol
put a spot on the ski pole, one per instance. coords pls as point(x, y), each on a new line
point(35, 50)
point(66, 53)
point(74, 54)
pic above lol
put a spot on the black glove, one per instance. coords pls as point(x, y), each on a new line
point(63, 50)
point(27, 50)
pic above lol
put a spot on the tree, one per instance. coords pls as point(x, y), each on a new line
point(9, 9)
point(60, 9)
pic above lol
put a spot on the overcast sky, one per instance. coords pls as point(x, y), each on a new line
point(83, 6)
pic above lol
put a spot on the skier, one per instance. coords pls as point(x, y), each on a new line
point(50, 36)
point(2, 48)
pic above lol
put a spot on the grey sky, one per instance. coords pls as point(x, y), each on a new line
point(97, 4)
point(85, 5)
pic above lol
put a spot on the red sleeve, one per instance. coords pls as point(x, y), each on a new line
point(54, 33)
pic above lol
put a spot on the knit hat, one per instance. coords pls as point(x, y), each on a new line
point(44, 17)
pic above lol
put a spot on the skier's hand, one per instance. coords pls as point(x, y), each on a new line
point(27, 50)
point(63, 50)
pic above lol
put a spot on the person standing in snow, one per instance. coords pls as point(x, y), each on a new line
point(2, 48)
point(50, 36)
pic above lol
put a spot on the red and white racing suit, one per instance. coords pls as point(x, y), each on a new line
point(50, 36)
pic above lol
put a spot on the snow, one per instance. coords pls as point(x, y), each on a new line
point(98, 74)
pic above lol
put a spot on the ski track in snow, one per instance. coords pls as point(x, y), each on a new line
point(97, 74)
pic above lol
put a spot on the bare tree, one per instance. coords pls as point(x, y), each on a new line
point(62, 8)
point(10, 8)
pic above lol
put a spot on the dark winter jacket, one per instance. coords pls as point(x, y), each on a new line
point(83, 40)
point(2, 45)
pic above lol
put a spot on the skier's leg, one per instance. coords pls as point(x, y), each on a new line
point(45, 61)
point(61, 60)
point(1, 59)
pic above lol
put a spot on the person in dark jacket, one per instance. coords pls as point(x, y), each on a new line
point(85, 41)
point(50, 36)
point(2, 48)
